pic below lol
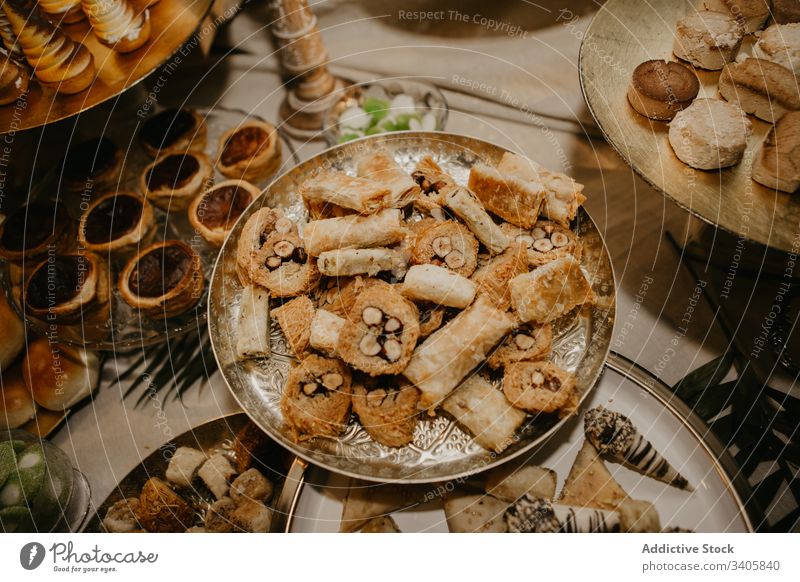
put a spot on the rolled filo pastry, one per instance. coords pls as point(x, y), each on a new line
point(447, 356)
point(470, 210)
point(337, 188)
point(438, 285)
point(353, 232)
point(325, 328)
point(380, 166)
point(349, 262)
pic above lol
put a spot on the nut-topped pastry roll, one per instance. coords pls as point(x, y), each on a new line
point(118, 24)
point(563, 195)
point(485, 413)
point(433, 182)
point(439, 286)
point(386, 408)
point(316, 399)
point(283, 266)
point(509, 197)
point(545, 242)
point(254, 235)
point(615, 436)
point(354, 232)
point(349, 262)
point(469, 209)
point(540, 387)
point(529, 515)
point(550, 291)
point(325, 329)
point(452, 352)
point(294, 318)
point(447, 244)
point(526, 343)
point(337, 188)
point(494, 278)
point(380, 334)
point(381, 167)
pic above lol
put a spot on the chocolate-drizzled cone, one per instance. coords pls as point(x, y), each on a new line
point(615, 436)
point(531, 515)
point(9, 39)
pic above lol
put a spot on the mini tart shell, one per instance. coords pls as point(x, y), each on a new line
point(103, 180)
point(194, 140)
point(130, 242)
point(179, 198)
point(182, 297)
point(255, 168)
point(61, 239)
point(216, 235)
point(92, 299)
point(659, 89)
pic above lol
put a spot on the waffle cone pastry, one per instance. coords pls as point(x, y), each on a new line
point(58, 62)
point(8, 39)
point(13, 80)
point(62, 11)
point(117, 24)
point(615, 436)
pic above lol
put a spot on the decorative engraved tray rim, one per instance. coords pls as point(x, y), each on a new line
point(221, 326)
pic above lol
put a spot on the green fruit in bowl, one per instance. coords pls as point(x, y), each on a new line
point(16, 519)
point(8, 459)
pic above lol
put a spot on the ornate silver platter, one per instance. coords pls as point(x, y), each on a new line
point(440, 449)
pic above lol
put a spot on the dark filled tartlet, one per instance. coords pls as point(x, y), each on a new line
point(214, 212)
point(92, 165)
point(117, 224)
point(251, 151)
point(174, 129)
point(30, 231)
point(175, 178)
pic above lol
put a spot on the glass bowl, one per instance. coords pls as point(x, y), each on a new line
point(385, 106)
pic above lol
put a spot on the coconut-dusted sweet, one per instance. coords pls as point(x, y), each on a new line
point(708, 39)
point(163, 280)
point(777, 164)
point(447, 244)
point(316, 398)
point(750, 14)
point(780, 43)
point(219, 518)
point(214, 212)
point(251, 151)
point(710, 134)
point(175, 178)
point(174, 129)
point(117, 224)
point(380, 334)
point(540, 387)
point(386, 408)
point(763, 88)
point(659, 89)
point(161, 510)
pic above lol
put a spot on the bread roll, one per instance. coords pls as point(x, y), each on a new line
point(59, 376)
point(777, 164)
point(16, 405)
point(750, 14)
point(780, 43)
point(13, 334)
point(761, 87)
point(785, 11)
point(708, 39)
point(710, 134)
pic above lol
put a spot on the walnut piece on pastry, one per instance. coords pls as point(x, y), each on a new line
point(550, 291)
point(526, 343)
point(386, 408)
point(316, 398)
point(563, 195)
point(540, 387)
point(337, 188)
point(380, 166)
point(433, 182)
point(485, 413)
point(283, 267)
point(294, 318)
point(511, 198)
point(447, 244)
point(380, 334)
point(494, 278)
point(255, 233)
point(545, 242)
